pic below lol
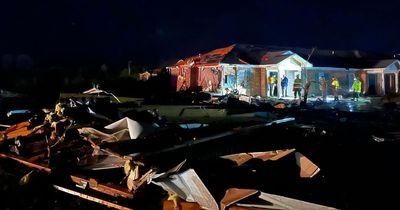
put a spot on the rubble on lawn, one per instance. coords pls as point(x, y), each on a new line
point(110, 154)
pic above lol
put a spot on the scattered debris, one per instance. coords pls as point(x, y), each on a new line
point(26, 178)
point(187, 185)
point(125, 125)
point(109, 189)
point(280, 106)
point(242, 158)
point(105, 159)
point(240, 199)
point(307, 168)
point(378, 139)
point(91, 198)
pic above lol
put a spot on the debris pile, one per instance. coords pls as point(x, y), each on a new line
point(111, 155)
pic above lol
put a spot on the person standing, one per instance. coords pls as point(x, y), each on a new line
point(297, 87)
point(356, 88)
point(272, 83)
point(322, 87)
point(284, 84)
point(306, 90)
point(335, 84)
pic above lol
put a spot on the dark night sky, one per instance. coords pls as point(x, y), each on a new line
point(150, 31)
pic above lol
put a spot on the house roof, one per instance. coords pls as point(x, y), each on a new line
point(238, 54)
point(215, 56)
point(382, 63)
point(258, 54)
point(340, 58)
point(274, 59)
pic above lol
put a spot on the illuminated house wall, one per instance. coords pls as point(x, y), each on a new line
point(236, 68)
point(246, 68)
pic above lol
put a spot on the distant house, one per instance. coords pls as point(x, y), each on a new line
point(144, 76)
point(238, 67)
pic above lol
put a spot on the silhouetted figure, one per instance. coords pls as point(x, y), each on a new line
point(306, 89)
point(335, 85)
point(284, 84)
point(297, 87)
point(322, 87)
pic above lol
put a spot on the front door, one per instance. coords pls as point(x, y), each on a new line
point(372, 88)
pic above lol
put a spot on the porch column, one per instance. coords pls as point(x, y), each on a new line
point(383, 82)
point(279, 88)
point(396, 81)
point(222, 81)
point(236, 77)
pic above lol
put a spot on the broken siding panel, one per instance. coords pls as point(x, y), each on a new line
point(210, 78)
point(244, 79)
point(181, 74)
point(229, 78)
point(174, 72)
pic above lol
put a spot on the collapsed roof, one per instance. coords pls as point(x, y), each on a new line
point(258, 54)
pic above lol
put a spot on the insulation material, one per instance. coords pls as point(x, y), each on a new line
point(126, 124)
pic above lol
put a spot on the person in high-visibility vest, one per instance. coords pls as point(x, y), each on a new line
point(335, 85)
point(272, 84)
point(297, 87)
point(356, 88)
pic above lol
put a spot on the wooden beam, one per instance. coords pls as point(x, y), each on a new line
point(109, 189)
point(24, 161)
point(91, 198)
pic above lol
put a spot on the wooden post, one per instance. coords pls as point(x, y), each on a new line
point(40, 167)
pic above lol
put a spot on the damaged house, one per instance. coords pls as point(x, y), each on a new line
point(378, 76)
point(244, 68)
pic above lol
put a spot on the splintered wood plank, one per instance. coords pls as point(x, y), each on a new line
point(109, 189)
point(24, 161)
point(91, 198)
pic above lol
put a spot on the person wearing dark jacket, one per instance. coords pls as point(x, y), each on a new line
point(284, 84)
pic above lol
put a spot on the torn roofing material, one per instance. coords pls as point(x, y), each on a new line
point(188, 186)
point(242, 158)
point(238, 54)
point(235, 196)
point(307, 168)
